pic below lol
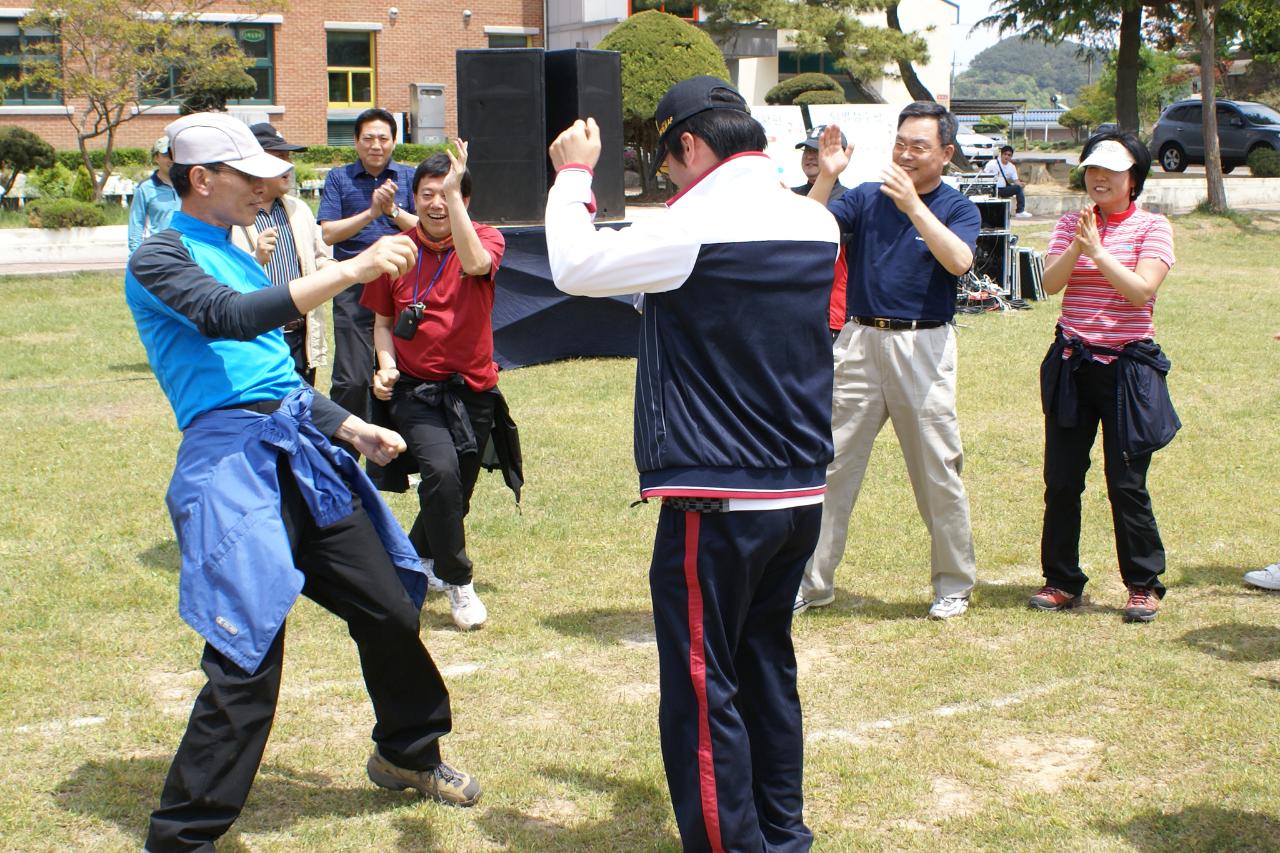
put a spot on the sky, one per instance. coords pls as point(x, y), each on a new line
point(968, 45)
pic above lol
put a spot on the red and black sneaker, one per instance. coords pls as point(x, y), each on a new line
point(1052, 598)
point(1142, 606)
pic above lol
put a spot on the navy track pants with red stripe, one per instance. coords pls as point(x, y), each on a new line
point(723, 586)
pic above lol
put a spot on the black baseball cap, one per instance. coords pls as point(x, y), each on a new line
point(685, 100)
point(813, 139)
point(271, 140)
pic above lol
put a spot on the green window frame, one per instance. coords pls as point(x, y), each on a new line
point(258, 43)
point(15, 55)
point(497, 40)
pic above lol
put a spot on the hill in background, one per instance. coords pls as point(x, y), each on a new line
point(1017, 67)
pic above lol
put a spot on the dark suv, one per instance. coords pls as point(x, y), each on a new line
point(1243, 127)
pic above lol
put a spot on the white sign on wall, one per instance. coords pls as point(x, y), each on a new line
point(870, 127)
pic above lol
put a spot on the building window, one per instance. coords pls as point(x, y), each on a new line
point(257, 42)
point(686, 9)
point(341, 132)
point(18, 50)
point(351, 61)
point(509, 40)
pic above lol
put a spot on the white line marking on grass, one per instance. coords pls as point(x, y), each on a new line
point(857, 734)
point(460, 669)
point(53, 727)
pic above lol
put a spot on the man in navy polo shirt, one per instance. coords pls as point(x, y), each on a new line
point(361, 202)
point(912, 236)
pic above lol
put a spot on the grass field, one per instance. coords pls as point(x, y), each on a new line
point(1003, 730)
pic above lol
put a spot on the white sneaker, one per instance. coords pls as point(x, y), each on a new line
point(803, 603)
point(1268, 578)
point(947, 606)
point(434, 584)
point(1023, 215)
point(468, 610)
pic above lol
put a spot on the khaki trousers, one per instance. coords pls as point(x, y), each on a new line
point(908, 377)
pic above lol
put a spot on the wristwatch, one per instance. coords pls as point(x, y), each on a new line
point(395, 212)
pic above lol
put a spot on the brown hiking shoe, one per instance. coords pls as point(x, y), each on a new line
point(442, 782)
point(1142, 606)
point(1052, 598)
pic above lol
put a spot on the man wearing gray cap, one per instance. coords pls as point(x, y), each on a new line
point(264, 506)
point(154, 200)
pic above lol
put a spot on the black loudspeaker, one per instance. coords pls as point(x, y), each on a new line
point(502, 115)
point(994, 212)
point(583, 83)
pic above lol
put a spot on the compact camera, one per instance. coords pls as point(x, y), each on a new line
point(407, 323)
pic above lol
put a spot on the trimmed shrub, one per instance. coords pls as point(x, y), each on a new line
point(119, 157)
point(1265, 163)
point(82, 187)
point(788, 90)
point(52, 183)
point(65, 213)
point(409, 153)
point(658, 50)
point(1075, 179)
point(21, 151)
point(818, 97)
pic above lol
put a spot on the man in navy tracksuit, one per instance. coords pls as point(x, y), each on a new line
point(732, 432)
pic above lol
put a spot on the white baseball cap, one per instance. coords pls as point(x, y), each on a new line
point(221, 138)
point(1110, 155)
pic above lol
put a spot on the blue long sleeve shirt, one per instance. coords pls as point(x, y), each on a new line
point(154, 203)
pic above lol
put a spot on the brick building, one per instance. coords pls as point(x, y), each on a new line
point(318, 63)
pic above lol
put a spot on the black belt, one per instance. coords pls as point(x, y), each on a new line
point(897, 325)
point(262, 407)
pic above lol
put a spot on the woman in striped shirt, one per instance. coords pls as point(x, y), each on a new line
point(1111, 259)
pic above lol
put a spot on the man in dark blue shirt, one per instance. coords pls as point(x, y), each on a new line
point(912, 237)
point(361, 202)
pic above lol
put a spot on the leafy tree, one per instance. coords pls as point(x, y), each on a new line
point(115, 55)
point(658, 50)
point(788, 90)
point(1093, 22)
point(832, 26)
point(21, 151)
point(1161, 79)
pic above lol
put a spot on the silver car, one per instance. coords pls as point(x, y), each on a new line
point(1243, 127)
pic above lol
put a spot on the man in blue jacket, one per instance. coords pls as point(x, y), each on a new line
point(154, 200)
point(732, 433)
point(265, 507)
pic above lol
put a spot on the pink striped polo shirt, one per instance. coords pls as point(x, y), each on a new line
point(1092, 309)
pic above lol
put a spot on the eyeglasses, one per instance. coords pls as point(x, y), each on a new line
point(916, 150)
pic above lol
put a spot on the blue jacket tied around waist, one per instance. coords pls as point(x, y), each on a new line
point(238, 576)
point(1145, 411)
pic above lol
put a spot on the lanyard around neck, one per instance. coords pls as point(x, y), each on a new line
point(417, 276)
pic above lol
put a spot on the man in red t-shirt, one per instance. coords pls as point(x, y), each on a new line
point(433, 340)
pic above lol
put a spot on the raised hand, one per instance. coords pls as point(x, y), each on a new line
point(457, 166)
point(833, 157)
point(897, 185)
point(392, 255)
point(383, 200)
point(578, 143)
point(1087, 234)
